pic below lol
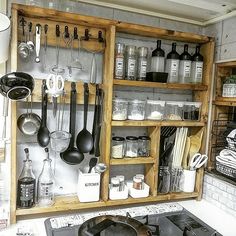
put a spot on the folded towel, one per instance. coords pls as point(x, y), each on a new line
point(226, 162)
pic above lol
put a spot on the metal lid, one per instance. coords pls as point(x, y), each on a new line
point(130, 49)
point(116, 138)
point(137, 101)
point(120, 47)
point(131, 138)
point(144, 138)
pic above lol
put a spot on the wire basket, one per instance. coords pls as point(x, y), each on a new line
point(226, 170)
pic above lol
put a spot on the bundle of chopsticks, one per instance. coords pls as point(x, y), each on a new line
point(179, 146)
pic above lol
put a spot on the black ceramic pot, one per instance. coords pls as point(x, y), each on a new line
point(16, 85)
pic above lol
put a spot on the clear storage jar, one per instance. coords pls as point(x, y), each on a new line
point(118, 147)
point(174, 110)
point(191, 110)
point(119, 109)
point(144, 146)
point(131, 146)
point(136, 110)
point(155, 110)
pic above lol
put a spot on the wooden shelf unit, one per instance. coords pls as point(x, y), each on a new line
point(109, 29)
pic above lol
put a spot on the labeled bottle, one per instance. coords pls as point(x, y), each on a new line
point(197, 66)
point(26, 184)
point(46, 182)
point(158, 59)
point(185, 66)
point(119, 61)
point(172, 65)
point(131, 63)
point(142, 63)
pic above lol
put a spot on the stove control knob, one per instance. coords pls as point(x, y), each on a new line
point(186, 230)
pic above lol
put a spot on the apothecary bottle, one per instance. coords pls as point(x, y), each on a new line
point(131, 63)
point(26, 184)
point(120, 61)
point(46, 182)
point(142, 63)
point(172, 65)
point(197, 66)
point(158, 59)
point(118, 147)
point(185, 66)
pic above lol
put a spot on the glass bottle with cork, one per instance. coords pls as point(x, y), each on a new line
point(185, 66)
point(197, 66)
point(158, 59)
point(26, 184)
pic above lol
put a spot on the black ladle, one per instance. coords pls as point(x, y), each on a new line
point(43, 136)
point(92, 163)
point(84, 139)
point(72, 155)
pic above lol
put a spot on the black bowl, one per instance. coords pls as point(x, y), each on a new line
point(16, 85)
point(160, 77)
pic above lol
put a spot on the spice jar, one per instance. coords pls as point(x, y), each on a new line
point(144, 146)
point(229, 87)
point(131, 146)
point(138, 182)
point(118, 146)
point(119, 109)
point(136, 110)
point(131, 63)
point(115, 183)
point(155, 110)
point(121, 182)
point(174, 110)
point(119, 61)
point(142, 63)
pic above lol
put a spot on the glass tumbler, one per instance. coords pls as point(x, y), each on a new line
point(136, 110)
point(119, 109)
point(131, 146)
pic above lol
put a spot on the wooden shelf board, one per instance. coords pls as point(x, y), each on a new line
point(79, 88)
point(132, 161)
point(198, 87)
point(157, 123)
point(71, 203)
point(222, 101)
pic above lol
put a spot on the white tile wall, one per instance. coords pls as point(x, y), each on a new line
point(220, 193)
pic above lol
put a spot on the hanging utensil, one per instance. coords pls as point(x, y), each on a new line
point(45, 46)
point(84, 139)
point(56, 69)
point(37, 39)
point(93, 70)
point(72, 155)
point(30, 40)
point(43, 136)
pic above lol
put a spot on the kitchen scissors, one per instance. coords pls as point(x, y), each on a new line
point(197, 161)
point(55, 85)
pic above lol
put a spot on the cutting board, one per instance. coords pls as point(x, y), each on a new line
point(186, 152)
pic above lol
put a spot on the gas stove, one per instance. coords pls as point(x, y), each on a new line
point(169, 219)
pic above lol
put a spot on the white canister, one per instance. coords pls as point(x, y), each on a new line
point(5, 30)
point(188, 181)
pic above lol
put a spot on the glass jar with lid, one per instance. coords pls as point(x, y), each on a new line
point(136, 109)
point(174, 110)
point(118, 147)
point(142, 63)
point(119, 61)
point(131, 62)
point(119, 109)
point(191, 110)
point(131, 146)
point(229, 87)
point(155, 110)
point(144, 146)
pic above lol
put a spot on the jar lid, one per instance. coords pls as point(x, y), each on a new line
point(137, 180)
point(117, 138)
point(131, 49)
point(115, 180)
point(140, 176)
point(120, 177)
point(120, 47)
point(119, 100)
point(142, 51)
point(131, 138)
point(144, 137)
point(156, 102)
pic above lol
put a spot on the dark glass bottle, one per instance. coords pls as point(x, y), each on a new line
point(172, 65)
point(185, 66)
point(26, 184)
point(197, 66)
point(158, 59)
